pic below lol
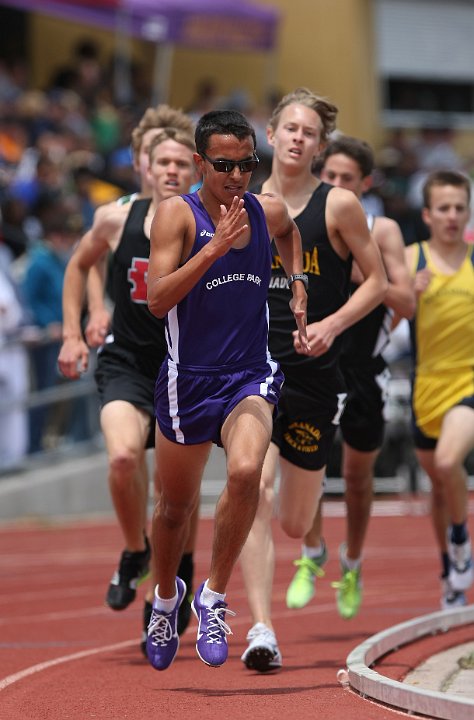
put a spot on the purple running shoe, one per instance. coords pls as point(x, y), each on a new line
point(162, 640)
point(212, 632)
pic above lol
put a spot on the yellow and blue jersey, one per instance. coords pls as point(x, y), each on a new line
point(442, 334)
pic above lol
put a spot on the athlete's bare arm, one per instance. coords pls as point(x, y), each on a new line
point(400, 295)
point(287, 238)
point(108, 222)
point(422, 278)
point(99, 316)
point(348, 232)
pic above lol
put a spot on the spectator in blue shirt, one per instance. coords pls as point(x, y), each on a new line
point(42, 290)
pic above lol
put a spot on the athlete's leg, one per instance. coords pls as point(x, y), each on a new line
point(180, 469)
point(185, 571)
point(357, 471)
point(300, 488)
point(444, 465)
point(300, 493)
point(190, 544)
point(193, 519)
point(439, 512)
point(455, 442)
point(125, 429)
point(186, 566)
point(258, 554)
point(313, 537)
point(245, 436)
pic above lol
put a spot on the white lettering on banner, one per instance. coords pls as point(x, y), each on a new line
point(235, 277)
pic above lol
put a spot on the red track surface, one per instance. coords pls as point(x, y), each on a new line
point(65, 656)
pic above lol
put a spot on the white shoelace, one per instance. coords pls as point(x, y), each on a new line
point(160, 629)
point(216, 624)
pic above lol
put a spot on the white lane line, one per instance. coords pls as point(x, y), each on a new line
point(11, 679)
point(27, 672)
point(56, 616)
point(242, 620)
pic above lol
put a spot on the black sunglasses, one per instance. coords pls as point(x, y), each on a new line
point(226, 166)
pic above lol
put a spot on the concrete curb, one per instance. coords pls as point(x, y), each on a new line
point(370, 683)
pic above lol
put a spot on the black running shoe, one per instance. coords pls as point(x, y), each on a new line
point(147, 610)
point(186, 573)
point(132, 570)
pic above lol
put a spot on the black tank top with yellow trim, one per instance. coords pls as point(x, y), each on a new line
point(328, 276)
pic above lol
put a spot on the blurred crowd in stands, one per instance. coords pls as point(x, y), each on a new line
point(64, 150)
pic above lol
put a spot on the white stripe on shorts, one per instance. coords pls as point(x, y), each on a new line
point(173, 400)
point(264, 386)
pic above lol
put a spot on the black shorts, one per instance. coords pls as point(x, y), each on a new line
point(363, 422)
point(308, 417)
point(120, 375)
point(425, 442)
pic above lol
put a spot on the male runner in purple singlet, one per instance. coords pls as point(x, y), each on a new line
point(210, 265)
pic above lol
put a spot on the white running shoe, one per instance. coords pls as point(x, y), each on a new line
point(262, 653)
point(461, 573)
point(451, 598)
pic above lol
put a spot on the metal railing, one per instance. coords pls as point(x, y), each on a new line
point(22, 394)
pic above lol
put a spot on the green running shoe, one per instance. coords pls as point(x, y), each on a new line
point(349, 592)
point(301, 589)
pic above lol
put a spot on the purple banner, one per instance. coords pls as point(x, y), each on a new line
point(205, 24)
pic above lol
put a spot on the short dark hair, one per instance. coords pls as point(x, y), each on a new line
point(222, 122)
point(440, 178)
point(357, 150)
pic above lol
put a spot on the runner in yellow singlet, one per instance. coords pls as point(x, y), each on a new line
point(442, 334)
